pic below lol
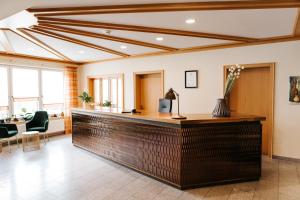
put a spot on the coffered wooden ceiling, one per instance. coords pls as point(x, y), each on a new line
point(99, 32)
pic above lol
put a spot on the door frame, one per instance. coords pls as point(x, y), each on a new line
point(135, 74)
point(271, 67)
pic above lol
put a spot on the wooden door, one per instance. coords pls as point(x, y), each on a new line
point(148, 90)
point(253, 94)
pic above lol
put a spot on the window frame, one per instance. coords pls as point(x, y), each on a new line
point(11, 99)
point(90, 80)
point(6, 108)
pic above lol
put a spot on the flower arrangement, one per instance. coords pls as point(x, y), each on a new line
point(234, 74)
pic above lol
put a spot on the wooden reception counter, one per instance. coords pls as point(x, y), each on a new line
point(198, 151)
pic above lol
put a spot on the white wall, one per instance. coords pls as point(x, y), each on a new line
point(210, 65)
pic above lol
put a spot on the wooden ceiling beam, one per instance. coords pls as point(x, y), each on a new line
point(297, 24)
point(41, 44)
point(4, 41)
point(103, 36)
point(166, 7)
point(75, 41)
point(70, 22)
point(30, 57)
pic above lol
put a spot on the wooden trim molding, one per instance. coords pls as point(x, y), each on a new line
point(166, 7)
point(24, 56)
point(38, 42)
point(43, 31)
point(103, 36)
point(209, 48)
point(70, 22)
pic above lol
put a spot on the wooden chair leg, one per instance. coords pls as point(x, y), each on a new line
point(17, 140)
point(44, 138)
point(8, 141)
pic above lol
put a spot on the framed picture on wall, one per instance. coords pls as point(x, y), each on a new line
point(191, 79)
point(294, 89)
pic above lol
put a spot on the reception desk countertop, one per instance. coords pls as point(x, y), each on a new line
point(166, 118)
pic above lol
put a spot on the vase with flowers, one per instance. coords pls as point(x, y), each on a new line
point(222, 109)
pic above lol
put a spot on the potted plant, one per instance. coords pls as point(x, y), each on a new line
point(107, 104)
point(85, 98)
point(222, 109)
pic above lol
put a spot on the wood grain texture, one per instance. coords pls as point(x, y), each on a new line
point(165, 7)
point(182, 156)
point(166, 118)
point(257, 80)
point(38, 58)
point(124, 27)
point(148, 87)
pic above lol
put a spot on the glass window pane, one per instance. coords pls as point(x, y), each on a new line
point(25, 83)
point(114, 91)
point(105, 92)
point(25, 106)
point(52, 87)
point(3, 87)
point(97, 91)
point(120, 93)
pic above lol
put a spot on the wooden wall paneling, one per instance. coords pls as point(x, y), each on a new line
point(148, 88)
point(253, 94)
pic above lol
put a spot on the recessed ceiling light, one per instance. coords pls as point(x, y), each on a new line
point(80, 52)
point(123, 47)
point(190, 21)
point(159, 38)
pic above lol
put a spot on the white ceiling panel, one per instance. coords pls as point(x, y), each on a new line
point(168, 40)
point(23, 46)
point(248, 23)
point(1, 47)
point(131, 49)
point(73, 51)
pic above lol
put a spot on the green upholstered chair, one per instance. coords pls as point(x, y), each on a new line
point(7, 131)
point(40, 123)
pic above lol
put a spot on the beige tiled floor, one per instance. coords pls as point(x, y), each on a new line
point(61, 171)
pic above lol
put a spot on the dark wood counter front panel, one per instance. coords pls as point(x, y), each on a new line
point(183, 155)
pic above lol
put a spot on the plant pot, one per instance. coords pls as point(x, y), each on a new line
point(221, 109)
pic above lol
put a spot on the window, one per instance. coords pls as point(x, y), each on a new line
point(107, 88)
point(3, 93)
point(25, 88)
point(31, 89)
point(53, 91)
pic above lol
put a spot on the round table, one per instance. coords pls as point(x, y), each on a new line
point(30, 141)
